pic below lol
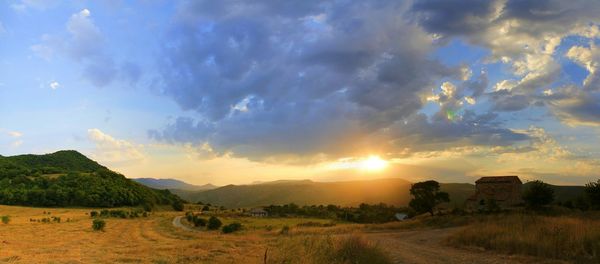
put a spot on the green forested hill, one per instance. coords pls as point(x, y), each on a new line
point(68, 178)
point(61, 161)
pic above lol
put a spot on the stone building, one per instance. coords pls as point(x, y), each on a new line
point(258, 212)
point(505, 191)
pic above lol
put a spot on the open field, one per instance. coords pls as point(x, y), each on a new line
point(154, 239)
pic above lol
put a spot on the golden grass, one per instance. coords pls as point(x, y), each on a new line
point(140, 240)
point(327, 249)
point(564, 237)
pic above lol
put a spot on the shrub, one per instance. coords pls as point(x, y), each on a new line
point(233, 227)
point(147, 207)
point(5, 219)
point(178, 205)
point(214, 223)
point(93, 214)
point(198, 221)
point(98, 225)
point(284, 230)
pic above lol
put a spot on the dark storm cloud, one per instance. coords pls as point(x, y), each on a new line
point(326, 78)
point(453, 17)
point(575, 106)
point(420, 134)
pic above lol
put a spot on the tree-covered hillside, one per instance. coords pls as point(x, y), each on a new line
point(68, 178)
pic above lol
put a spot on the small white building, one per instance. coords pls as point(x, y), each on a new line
point(401, 216)
point(258, 212)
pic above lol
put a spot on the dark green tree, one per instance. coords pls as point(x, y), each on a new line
point(427, 196)
point(592, 193)
point(177, 205)
point(538, 195)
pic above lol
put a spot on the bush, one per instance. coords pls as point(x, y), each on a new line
point(214, 223)
point(233, 227)
point(178, 205)
point(5, 219)
point(98, 225)
point(285, 230)
point(93, 214)
point(198, 221)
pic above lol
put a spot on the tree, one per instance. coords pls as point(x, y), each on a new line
point(592, 193)
point(427, 196)
point(214, 223)
point(538, 195)
point(178, 205)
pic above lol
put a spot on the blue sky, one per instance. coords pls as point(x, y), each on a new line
point(238, 91)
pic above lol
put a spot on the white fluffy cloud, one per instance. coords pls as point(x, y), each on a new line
point(114, 151)
point(84, 43)
point(54, 85)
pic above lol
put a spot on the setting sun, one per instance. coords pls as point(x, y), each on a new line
point(373, 163)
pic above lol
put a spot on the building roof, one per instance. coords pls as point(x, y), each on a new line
point(499, 179)
point(257, 211)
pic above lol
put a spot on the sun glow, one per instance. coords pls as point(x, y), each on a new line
point(371, 163)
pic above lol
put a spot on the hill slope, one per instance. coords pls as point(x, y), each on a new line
point(171, 184)
point(68, 178)
point(562, 193)
point(392, 191)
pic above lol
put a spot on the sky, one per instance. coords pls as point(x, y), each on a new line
point(235, 92)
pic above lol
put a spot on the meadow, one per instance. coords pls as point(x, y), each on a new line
point(155, 239)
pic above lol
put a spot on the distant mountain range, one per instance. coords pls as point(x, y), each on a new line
point(68, 178)
point(393, 191)
point(171, 184)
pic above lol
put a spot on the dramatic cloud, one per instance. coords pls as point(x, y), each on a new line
point(325, 79)
point(574, 106)
point(114, 151)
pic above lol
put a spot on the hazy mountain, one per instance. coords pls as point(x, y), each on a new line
point(305, 192)
point(68, 178)
point(563, 193)
point(170, 184)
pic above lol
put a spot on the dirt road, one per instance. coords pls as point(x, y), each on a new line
point(427, 247)
point(177, 223)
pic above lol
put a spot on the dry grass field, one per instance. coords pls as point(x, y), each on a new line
point(573, 238)
point(141, 240)
point(154, 239)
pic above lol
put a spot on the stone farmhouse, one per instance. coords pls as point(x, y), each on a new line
point(504, 190)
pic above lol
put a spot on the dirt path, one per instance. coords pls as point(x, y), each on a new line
point(426, 246)
point(177, 223)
